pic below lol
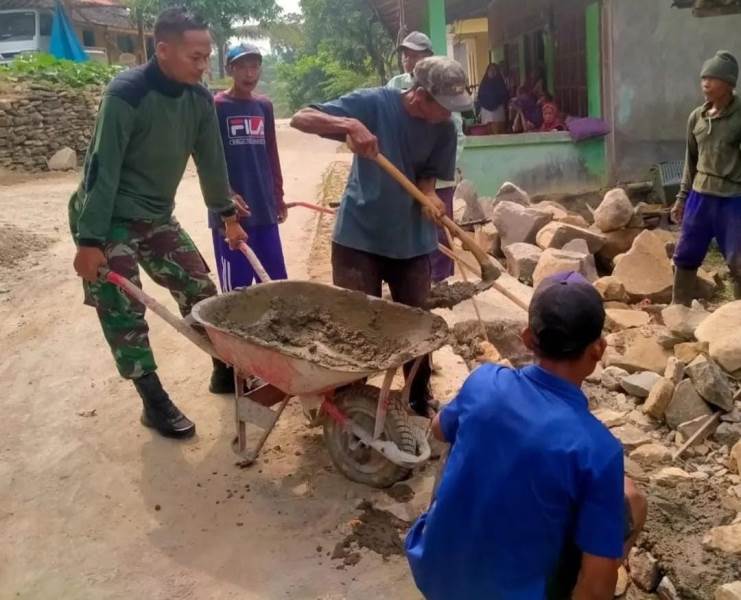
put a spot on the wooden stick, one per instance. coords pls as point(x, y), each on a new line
point(473, 298)
point(489, 271)
point(709, 422)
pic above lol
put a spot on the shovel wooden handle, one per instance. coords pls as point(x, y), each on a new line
point(489, 271)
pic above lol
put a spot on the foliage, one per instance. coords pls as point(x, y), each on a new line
point(334, 47)
point(350, 32)
point(47, 68)
point(318, 78)
point(224, 16)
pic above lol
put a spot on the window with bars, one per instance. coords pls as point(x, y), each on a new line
point(571, 66)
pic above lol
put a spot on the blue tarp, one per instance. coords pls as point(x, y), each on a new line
point(64, 42)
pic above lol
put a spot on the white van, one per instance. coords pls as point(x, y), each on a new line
point(29, 30)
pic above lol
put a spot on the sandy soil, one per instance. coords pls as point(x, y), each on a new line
point(97, 507)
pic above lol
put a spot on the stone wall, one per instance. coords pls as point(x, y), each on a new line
point(37, 119)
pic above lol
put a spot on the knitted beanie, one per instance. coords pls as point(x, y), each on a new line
point(722, 66)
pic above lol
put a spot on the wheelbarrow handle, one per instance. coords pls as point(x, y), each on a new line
point(178, 324)
point(255, 263)
point(489, 271)
point(311, 206)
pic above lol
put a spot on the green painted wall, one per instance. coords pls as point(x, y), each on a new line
point(539, 162)
point(436, 26)
point(594, 60)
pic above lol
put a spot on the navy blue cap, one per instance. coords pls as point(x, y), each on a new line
point(566, 315)
point(243, 49)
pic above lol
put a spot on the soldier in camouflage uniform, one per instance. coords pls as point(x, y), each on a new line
point(151, 121)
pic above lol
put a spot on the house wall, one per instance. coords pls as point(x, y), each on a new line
point(538, 162)
point(657, 53)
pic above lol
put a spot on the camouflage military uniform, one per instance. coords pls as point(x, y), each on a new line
point(171, 259)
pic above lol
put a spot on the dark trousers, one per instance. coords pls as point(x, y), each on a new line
point(409, 281)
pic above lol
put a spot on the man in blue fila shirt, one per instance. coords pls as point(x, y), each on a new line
point(247, 127)
point(533, 502)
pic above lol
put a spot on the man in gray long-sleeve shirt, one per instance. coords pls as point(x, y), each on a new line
point(152, 120)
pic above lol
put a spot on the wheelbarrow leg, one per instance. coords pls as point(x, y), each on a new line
point(383, 403)
point(253, 407)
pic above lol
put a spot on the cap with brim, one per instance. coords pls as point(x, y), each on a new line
point(416, 41)
point(566, 315)
point(445, 80)
point(456, 103)
point(242, 50)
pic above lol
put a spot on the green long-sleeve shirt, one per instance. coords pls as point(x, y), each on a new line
point(148, 127)
point(713, 162)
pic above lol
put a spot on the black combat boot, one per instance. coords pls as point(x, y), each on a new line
point(222, 378)
point(159, 411)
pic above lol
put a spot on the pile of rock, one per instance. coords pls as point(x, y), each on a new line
point(38, 120)
point(676, 408)
point(539, 239)
point(667, 386)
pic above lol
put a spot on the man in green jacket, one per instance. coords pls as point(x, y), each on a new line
point(151, 121)
point(709, 202)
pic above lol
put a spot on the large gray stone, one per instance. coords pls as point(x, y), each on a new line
point(509, 192)
point(670, 477)
point(611, 289)
point(612, 376)
point(580, 246)
point(617, 319)
point(651, 455)
point(466, 191)
point(659, 399)
point(683, 320)
point(721, 331)
point(63, 160)
point(711, 382)
point(554, 261)
point(636, 350)
point(728, 434)
point(686, 405)
point(674, 370)
point(558, 234)
point(616, 243)
point(729, 591)
point(516, 223)
point(640, 384)
point(644, 569)
point(630, 436)
point(645, 270)
point(522, 260)
point(724, 539)
point(614, 212)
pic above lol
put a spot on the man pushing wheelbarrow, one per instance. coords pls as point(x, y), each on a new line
point(152, 120)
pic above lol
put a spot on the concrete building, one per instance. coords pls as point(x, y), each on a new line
point(633, 63)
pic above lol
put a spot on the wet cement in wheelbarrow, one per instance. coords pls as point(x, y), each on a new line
point(314, 332)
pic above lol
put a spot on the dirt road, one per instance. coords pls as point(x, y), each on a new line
point(94, 505)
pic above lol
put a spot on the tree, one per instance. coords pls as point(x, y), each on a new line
point(351, 32)
point(224, 16)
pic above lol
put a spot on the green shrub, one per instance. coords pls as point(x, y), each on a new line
point(47, 68)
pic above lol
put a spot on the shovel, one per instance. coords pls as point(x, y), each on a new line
point(489, 271)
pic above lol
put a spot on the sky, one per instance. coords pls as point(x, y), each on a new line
point(289, 5)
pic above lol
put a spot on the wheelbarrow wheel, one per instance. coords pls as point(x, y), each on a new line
point(355, 460)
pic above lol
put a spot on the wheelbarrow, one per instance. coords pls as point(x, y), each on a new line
point(367, 431)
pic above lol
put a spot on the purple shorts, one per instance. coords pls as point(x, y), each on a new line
point(706, 218)
point(233, 267)
point(442, 266)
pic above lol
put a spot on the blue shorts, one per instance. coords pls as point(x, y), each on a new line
point(233, 267)
point(706, 218)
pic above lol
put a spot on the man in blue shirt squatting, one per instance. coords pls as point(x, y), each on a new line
point(533, 502)
point(381, 234)
point(247, 125)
